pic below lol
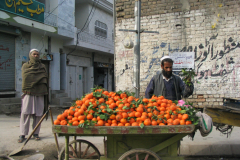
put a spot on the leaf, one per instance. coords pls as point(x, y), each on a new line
point(125, 107)
point(109, 110)
point(141, 125)
point(102, 116)
point(183, 111)
point(195, 123)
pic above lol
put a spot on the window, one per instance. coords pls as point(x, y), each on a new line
point(101, 29)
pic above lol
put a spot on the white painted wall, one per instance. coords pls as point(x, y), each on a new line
point(22, 47)
point(81, 14)
point(52, 6)
point(104, 17)
point(56, 44)
point(39, 41)
point(66, 20)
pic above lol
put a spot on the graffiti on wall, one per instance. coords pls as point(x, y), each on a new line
point(210, 59)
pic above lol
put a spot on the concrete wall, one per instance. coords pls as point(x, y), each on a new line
point(98, 57)
point(22, 48)
point(39, 42)
point(210, 29)
point(56, 44)
point(104, 17)
point(66, 20)
point(81, 14)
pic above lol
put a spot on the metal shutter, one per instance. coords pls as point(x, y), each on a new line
point(7, 62)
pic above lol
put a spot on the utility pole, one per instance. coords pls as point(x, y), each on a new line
point(136, 61)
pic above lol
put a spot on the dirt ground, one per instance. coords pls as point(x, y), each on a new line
point(49, 152)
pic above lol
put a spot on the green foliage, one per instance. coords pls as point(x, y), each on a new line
point(86, 124)
point(141, 125)
point(191, 111)
point(188, 75)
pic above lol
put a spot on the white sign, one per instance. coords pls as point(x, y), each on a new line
point(182, 60)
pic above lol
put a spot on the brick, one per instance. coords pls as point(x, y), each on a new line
point(201, 100)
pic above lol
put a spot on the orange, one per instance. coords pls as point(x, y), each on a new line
point(82, 121)
point(60, 117)
point(131, 120)
point(75, 119)
point(100, 122)
point(143, 117)
point(76, 114)
point(182, 122)
point(107, 124)
point(56, 122)
point(123, 121)
point(185, 116)
point(112, 116)
point(179, 116)
point(75, 123)
point(167, 116)
point(154, 123)
point(176, 122)
point(120, 124)
point(118, 117)
point(147, 122)
point(63, 122)
point(124, 115)
point(145, 100)
point(127, 124)
point(79, 102)
point(114, 124)
point(81, 117)
point(170, 121)
point(161, 124)
point(89, 116)
point(188, 122)
point(135, 124)
point(138, 114)
point(69, 117)
point(81, 111)
point(140, 109)
point(114, 121)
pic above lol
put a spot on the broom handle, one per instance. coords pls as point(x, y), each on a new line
point(55, 135)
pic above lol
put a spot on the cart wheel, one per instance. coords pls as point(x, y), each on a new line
point(135, 154)
point(83, 150)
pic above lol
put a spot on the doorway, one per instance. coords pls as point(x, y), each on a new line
point(101, 77)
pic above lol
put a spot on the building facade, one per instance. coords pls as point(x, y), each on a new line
point(210, 29)
point(75, 40)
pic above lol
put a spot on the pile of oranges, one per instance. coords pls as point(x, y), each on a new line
point(103, 108)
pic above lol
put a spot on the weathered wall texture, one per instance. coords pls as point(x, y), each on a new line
point(210, 29)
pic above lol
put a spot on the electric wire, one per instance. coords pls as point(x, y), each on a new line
point(44, 20)
point(94, 5)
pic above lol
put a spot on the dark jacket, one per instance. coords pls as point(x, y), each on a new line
point(157, 87)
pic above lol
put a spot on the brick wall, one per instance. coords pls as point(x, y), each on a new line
point(209, 28)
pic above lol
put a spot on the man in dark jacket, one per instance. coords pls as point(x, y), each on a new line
point(168, 85)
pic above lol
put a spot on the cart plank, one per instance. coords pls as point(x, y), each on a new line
point(106, 130)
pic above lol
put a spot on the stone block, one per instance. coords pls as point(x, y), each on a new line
point(201, 100)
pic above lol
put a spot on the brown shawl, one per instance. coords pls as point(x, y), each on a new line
point(35, 79)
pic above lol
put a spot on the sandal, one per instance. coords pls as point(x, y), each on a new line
point(37, 138)
point(21, 139)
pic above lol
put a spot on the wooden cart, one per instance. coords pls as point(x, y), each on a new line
point(150, 142)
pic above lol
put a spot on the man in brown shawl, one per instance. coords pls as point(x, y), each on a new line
point(35, 91)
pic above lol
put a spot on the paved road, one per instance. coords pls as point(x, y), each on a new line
point(215, 144)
